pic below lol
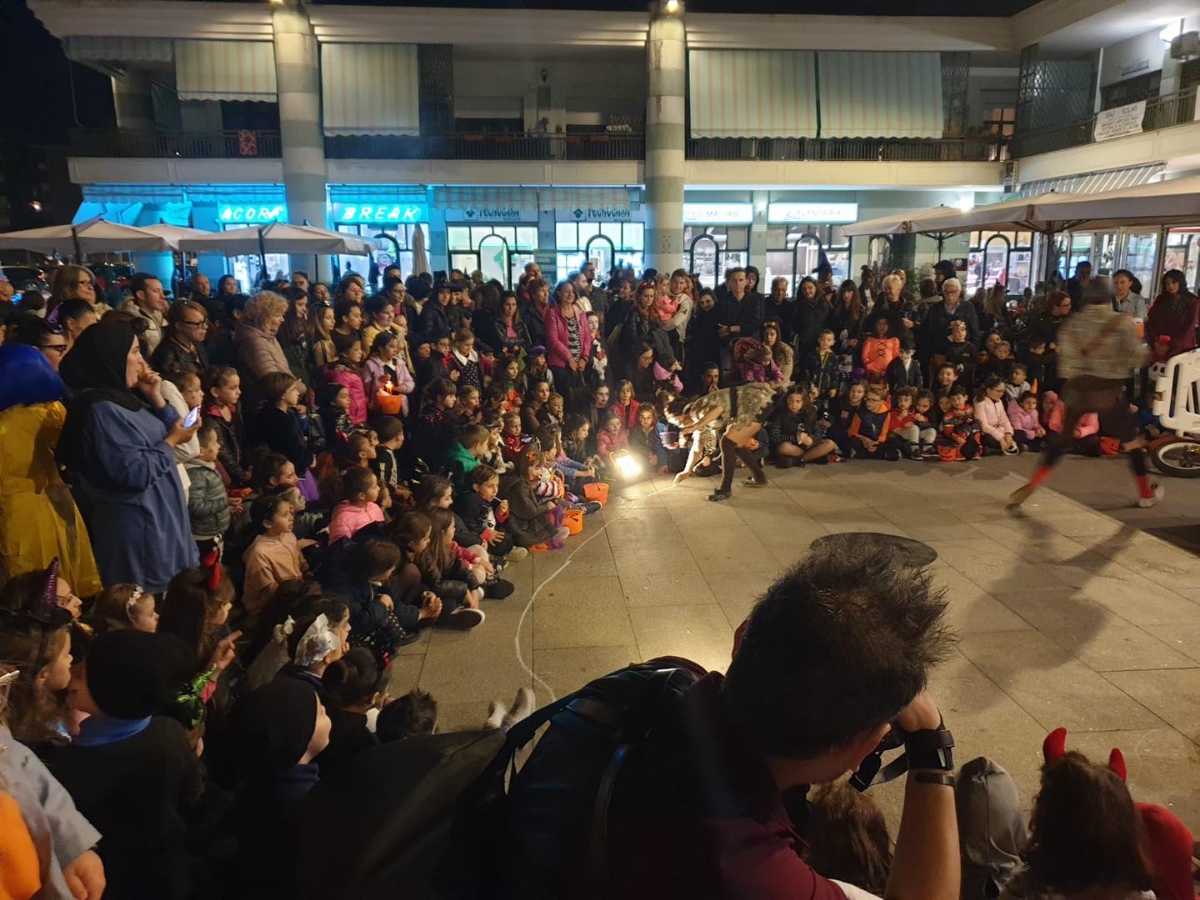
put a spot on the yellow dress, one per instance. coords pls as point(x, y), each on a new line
point(38, 517)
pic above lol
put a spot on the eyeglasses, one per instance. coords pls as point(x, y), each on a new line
point(203, 323)
point(60, 349)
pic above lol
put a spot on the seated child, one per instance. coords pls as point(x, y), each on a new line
point(612, 438)
point(999, 362)
point(434, 435)
point(345, 371)
point(795, 435)
point(334, 404)
point(572, 475)
point(927, 417)
point(556, 409)
point(1033, 357)
point(353, 686)
point(959, 432)
point(127, 606)
point(575, 441)
point(868, 432)
point(961, 353)
point(842, 411)
point(879, 350)
point(1027, 429)
point(513, 439)
point(361, 578)
point(645, 442)
point(386, 465)
point(482, 513)
point(1018, 382)
point(530, 519)
point(469, 409)
point(413, 714)
point(274, 557)
point(1086, 440)
point(464, 457)
point(195, 609)
point(443, 572)
point(995, 428)
point(360, 490)
point(905, 371)
point(905, 431)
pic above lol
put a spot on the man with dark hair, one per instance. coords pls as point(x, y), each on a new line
point(837, 651)
point(148, 302)
point(739, 314)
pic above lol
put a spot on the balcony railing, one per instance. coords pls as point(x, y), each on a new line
point(610, 146)
point(1161, 112)
point(954, 149)
point(177, 144)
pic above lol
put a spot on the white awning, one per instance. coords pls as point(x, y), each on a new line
point(225, 70)
point(881, 94)
point(1094, 182)
point(124, 50)
point(752, 93)
point(369, 88)
point(532, 198)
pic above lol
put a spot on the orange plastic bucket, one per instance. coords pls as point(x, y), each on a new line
point(573, 519)
point(597, 491)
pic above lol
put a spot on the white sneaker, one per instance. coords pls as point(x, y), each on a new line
point(516, 554)
point(523, 705)
point(496, 715)
point(1147, 502)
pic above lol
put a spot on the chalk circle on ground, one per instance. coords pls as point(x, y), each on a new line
point(908, 552)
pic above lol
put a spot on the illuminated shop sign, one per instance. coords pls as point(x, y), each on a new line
point(380, 213)
point(250, 213)
point(819, 213)
point(601, 214)
point(718, 213)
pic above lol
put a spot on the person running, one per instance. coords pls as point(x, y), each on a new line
point(741, 410)
point(1097, 351)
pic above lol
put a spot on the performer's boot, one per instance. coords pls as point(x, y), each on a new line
point(758, 476)
point(728, 454)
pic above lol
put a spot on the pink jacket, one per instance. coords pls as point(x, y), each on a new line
point(353, 383)
point(558, 354)
point(992, 418)
point(349, 518)
point(1089, 423)
point(374, 377)
point(1024, 422)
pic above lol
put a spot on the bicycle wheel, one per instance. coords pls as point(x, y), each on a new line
point(1176, 456)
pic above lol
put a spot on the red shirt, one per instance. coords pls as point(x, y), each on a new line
point(697, 813)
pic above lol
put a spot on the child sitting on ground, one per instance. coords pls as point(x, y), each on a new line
point(434, 435)
point(494, 454)
point(869, 428)
point(572, 474)
point(611, 439)
point(345, 371)
point(385, 465)
point(274, 557)
point(927, 417)
point(905, 371)
point(996, 430)
point(334, 405)
point(360, 490)
point(842, 411)
point(555, 409)
point(464, 457)
point(363, 583)
point(483, 514)
point(415, 713)
point(904, 432)
point(961, 353)
point(958, 437)
point(645, 442)
point(794, 433)
point(1027, 428)
point(1018, 382)
point(353, 686)
point(530, 520)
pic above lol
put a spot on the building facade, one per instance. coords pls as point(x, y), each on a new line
point(668, 140)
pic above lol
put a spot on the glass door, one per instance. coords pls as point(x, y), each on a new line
point(1139, 252)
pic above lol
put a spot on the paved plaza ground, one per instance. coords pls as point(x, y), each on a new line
point(1073, 613)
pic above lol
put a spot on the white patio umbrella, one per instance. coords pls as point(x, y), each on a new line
point(420, 254)
point(278, 237)
point(173, 234)
point(896, 223)
point(92, 236)
point(1174, 202)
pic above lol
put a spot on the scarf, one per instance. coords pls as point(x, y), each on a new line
point(99, 731)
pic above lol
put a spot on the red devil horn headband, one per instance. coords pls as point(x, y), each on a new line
point(1055, 747)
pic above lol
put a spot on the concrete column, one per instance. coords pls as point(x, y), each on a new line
point(131, 98)
point(298, 80)
point(666, 134)
point(758, 238)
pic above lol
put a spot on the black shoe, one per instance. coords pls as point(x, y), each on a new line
point(498, 589)
point(406, 638)
point(718, 495)
point(462, 619)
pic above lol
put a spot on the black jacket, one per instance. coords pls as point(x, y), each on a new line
point(900, 375)
point(747, 315)
point(281, 432)
point(809, 319)
point(169, 355)
point(936, 327)
point(535, 323)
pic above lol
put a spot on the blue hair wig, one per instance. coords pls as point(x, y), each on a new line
point(26, 377)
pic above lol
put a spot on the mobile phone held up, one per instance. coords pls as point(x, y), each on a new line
point(192, 417)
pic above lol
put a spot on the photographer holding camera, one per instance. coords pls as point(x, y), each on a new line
point(837, 651)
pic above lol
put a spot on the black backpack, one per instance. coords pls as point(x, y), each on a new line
point(480, 815)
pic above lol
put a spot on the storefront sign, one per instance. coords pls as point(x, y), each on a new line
point(600, 214)
point(380, 213)
point(1120, 121)
point(817, 213)
point(250, 213)
point(1136, 67)
point(490, 214)
point(718, 213)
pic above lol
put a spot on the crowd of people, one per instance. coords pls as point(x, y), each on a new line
point(221, 516)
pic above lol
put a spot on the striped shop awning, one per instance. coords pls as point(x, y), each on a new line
point(88, 49)
point(614, 197)
point(1094, 182)
point(369, 89)
point(225, 70)
point(752, 93)
point(880, 94)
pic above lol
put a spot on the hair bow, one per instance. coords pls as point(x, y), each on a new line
point(212, 563)
point(316, 643)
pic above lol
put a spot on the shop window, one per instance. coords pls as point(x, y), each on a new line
point(608, 243)
point(713, 249)
point(499, 251)
point(794, 252)
point(392, 244)
point(1000, 257)
point(1000, 120)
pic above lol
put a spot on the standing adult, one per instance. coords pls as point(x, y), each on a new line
point(75, 283)
point(1078, 284)
point(846, 318)
point(293, 336)
point(1127, 300)
point(257, 343)
point(434, 323)
point(568, 344)
point(182, 347)
point(147, 301)
point(777, 307)
point(936, 327)
point(535, 312)
point(38, 518)
point(809, 316)
point(1171, 321)
point(897, 308)
point(703, 343)
point(509, 334)
point(201, 290)
point(119, 442)
point(739, 314)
